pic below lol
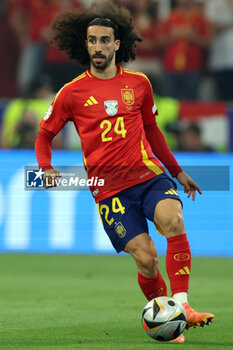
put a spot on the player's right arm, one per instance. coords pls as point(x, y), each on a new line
point(54, 120)
point(43, 149)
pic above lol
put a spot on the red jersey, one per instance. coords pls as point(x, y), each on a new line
point(109, 116)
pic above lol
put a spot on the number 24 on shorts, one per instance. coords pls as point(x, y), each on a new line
point(104, 210)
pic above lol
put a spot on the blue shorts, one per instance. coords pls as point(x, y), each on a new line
point(124, 214)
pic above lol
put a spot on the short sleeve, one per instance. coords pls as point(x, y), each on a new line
point(59, 113)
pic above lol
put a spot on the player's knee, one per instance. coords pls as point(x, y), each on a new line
point(174, 225)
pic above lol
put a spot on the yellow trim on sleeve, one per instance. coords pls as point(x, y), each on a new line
point(85, 162)
point(139, 74)
point(153, 167)
point(88, 74)
point(71, 82)
point(135, 73)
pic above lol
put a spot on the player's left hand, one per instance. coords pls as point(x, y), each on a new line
point(190, 186)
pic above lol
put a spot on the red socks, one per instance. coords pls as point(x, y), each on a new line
point(178, 263)
point(152, 287)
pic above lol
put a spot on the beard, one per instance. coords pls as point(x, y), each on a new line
point(103, 64)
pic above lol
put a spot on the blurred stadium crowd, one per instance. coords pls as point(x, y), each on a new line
point(187, 52)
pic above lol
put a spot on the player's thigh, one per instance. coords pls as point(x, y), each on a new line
point(163, 187)
point(122, 219)
point(162, 204)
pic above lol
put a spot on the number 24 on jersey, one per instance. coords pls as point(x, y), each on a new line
point(119, 129)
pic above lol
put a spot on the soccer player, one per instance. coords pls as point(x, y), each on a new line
point(114, 114)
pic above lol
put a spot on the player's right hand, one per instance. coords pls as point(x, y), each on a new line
point(50, 177)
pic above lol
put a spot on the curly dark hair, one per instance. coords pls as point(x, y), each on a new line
point(69, 31)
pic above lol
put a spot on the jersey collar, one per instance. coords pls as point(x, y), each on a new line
point(119, 73)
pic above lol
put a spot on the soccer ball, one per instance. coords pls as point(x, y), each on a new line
point(163, 318)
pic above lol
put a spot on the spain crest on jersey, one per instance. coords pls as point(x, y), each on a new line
point(111, 107)
point(127, 96)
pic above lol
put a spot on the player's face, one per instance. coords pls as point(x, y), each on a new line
point(101, 46)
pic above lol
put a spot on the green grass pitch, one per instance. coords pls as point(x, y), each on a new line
point(56, 302)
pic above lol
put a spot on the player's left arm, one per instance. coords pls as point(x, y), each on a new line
point(161, 149)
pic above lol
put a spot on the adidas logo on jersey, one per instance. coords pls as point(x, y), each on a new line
point(171, 191)
point(184, 271)
point(91, 101)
